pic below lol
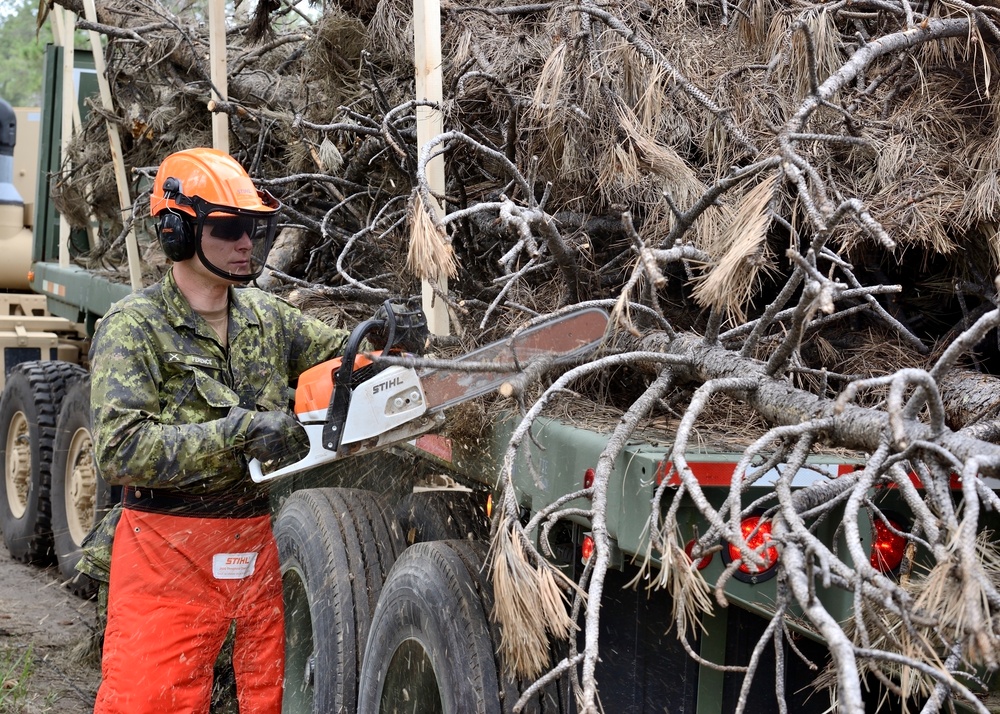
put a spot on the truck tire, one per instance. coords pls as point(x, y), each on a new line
point(80, 497)
point(433, 646)
point(336, 547)
point(28, 411)
point(442, 515)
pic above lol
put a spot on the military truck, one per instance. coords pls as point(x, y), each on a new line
point(388, 602)
point(52, 493)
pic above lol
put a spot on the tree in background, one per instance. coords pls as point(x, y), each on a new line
point(21, 55)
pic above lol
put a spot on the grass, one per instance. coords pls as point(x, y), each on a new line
point(17, 666)
point(15, 672)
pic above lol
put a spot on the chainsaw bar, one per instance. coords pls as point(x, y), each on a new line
point(561, 338)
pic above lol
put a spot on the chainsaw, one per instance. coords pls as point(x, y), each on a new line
point(352, 404)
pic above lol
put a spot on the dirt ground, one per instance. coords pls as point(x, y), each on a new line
point(45, 666)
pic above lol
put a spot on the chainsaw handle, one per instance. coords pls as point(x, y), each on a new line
point(315, 456)
point(340, 400)
point(257, 474)
point(390, 322)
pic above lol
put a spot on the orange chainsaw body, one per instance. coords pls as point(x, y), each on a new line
point(315, 385)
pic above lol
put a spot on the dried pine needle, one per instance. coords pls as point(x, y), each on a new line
point(957, 604)
point(730, 283)
point(550, 84)
point(430, 255)
point(529, 604)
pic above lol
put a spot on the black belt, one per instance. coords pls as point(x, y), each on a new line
point(174, 503)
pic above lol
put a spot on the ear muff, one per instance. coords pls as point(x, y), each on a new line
point(176, 236)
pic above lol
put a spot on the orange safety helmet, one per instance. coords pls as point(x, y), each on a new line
point(202, 188)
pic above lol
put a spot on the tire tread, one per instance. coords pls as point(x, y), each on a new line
point(74, 411)
point(357, 545)
point(46, 382)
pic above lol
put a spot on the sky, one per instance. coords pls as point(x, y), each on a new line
point(9, 7)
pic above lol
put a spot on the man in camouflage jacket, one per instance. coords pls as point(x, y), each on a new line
point(190, 379)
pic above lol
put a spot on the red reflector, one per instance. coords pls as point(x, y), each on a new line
point(762, 536)
point(587, 548)
point(887, 547)
point(703, 562)
point(588, 478)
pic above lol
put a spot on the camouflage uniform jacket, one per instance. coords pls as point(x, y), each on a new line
point(162, 385)
point(161, 382)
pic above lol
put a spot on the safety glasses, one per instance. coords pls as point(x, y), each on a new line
point(231, 228)
point(230, 224)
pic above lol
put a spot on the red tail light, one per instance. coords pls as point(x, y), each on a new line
point(888, 547)
point(588, 478)
point(587, 548)
point(703, 562)
point(749, 572)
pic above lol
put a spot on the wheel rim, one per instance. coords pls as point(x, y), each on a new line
point(299, 659)
point(81, 486)
point(410, 682)
point(18, 466)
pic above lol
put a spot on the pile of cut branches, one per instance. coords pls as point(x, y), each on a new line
point(738, 131)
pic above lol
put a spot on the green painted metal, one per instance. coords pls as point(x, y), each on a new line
point(71, 291)
point(76, 294)
point(46, 231)
point(48, 150)
point(558, 469)
point(713, 649)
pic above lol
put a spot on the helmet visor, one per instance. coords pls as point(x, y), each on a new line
point(233, 225)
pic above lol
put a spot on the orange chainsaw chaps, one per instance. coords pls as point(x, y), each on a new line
point(316, 384)
point(173, 597)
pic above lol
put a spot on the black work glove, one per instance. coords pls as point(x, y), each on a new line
point(274, 437)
